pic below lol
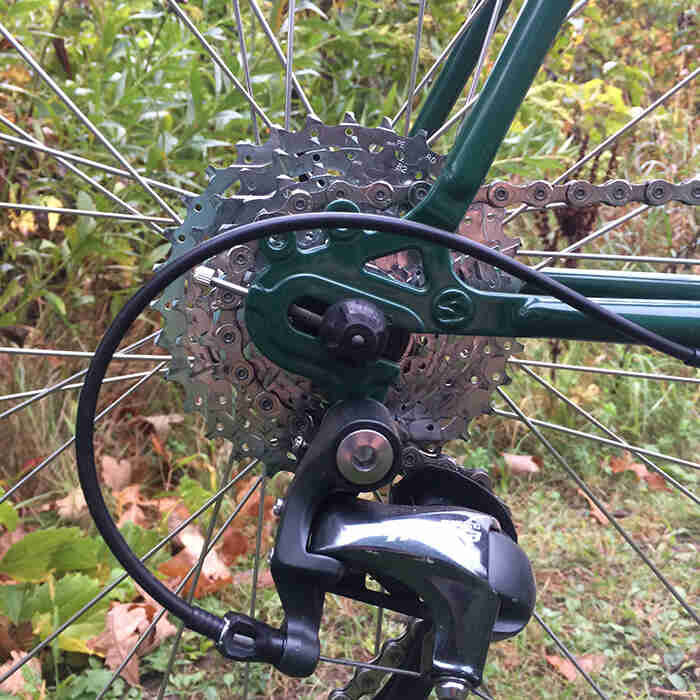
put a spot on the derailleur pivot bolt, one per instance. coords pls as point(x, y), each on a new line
point(448, 688)
point(354, 330)
point(365, 456)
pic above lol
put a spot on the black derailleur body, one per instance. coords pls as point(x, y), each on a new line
point(443, 549)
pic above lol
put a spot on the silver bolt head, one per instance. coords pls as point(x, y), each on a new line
point(278, 507)
point(451, 689)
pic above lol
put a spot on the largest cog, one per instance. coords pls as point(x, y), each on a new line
point(272, 414)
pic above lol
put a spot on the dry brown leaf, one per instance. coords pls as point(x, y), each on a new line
point(116, 473)
point(251, 508)
point(133, 513)
point(73, 506)
point(522, 464)
point(234, 544)
point(16, 684)
point(656, 482)
point(162, 424)
point(564, 666)
point(592, 663)
point(596, 513)
point(124, 624)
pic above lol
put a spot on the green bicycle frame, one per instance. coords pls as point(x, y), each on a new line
point(475, 149)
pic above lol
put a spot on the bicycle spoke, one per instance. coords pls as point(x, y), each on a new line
point(213, 54)
point(246, 68)
point(622, 130)
point(569, 655)
point(42, 148)
point(60, 450)
point(87, 212)
point(198, 570)
point(291, 18)
point(484, 49)
point(64, 382)
point(122, 577)
point(256, 570)
point(178, 589)
point(453, 120)
point(7, 350)
point(280, 54)
point(552, 389)
point(438, 61)
point(376, 667)
point(85, 120)
point(599, 504)
point(76, 385)
point(596, 234)
point(606, 370)
point(615, 258)
point(604, 441)
point(77, 171)
point(414, 66)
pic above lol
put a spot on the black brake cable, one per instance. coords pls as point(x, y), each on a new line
point(194, 617)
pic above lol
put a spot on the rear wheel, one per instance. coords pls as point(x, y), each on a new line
point(633, 641)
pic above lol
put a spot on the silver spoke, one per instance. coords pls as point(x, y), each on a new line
point(606, 370)
point(60, 450)
point(552, 389)
point(615, 258)
point(622, 130)
point(75, 385)
point(604, 441)
point(453, 120)
point(596, 234)
point(280, 54)
point(37, 146)
point(7, 350)
point(484, 49)
point(376, 667)
point(65, 382)
point(291, 18)
point(88, 212)
point(178, 589)
point(414, 66)
point(438, 61)
point(569, 655)
point(85, 120)
point(246, 69)
point(256, 571)
point(77, 171)
point(197, 573)
point(218, 60)
point(599, 504)
point(122, 577)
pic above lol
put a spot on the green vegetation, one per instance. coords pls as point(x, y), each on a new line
point(146, 82)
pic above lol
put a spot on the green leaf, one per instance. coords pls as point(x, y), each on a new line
point(12, 602)
point(57, 303)
point(57, 549)
point(8, 515)
point(193, 493)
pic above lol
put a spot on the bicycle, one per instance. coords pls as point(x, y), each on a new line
point(354, 361)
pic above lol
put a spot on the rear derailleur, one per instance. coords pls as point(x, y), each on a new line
point(443, 550)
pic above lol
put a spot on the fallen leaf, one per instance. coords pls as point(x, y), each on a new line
point(656, 482)
point(116, 473)
point(16, 683)
point(596, 513)
point(234, 544)
point(124, 624)
point(73, 506)
point(133, 513)
point(653, 479)
point(522, 464)
point(53, 217)
point(252, 505)
point(162, 423)
point(564, 666)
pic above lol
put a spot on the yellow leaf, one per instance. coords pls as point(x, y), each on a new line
point(55, 203)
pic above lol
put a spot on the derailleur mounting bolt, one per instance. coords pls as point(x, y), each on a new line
point(278, 507)
point(448, 688)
